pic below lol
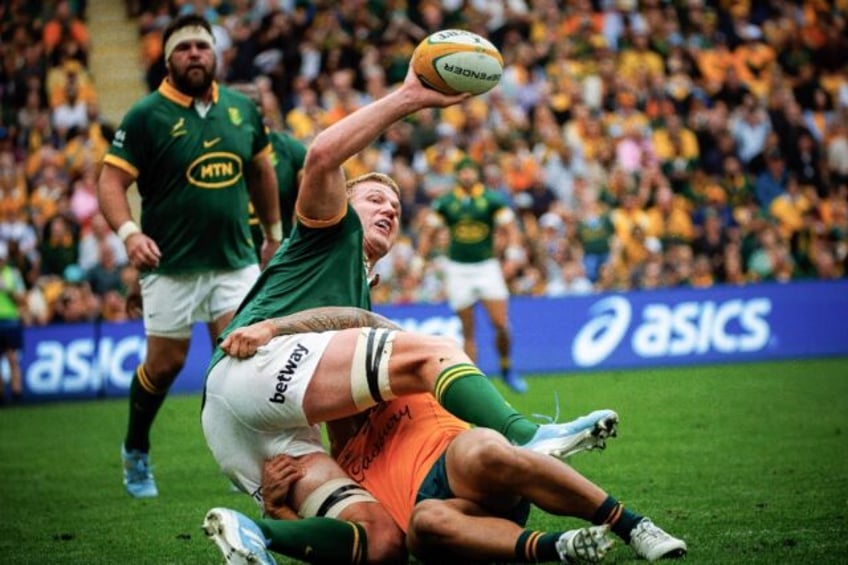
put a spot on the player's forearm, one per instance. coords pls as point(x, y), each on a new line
point(329, 318)
point(264, 194)
point(347, 137)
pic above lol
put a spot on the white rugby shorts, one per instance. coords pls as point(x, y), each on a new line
point(253, 407)
point(468, 283)
point(173, 303)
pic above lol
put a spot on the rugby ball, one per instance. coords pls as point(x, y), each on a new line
point(453, 61)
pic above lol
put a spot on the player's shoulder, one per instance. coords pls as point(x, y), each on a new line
point(284, 138)
point(496, 197)
point(144, 107)
point(231, 97)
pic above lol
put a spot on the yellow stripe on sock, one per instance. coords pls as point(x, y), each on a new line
point(449, 375)
point(531, 547)
point(356, 558)
point(146, 383)
point(614, 515)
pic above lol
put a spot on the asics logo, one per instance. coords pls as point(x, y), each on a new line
point(673, 330)
point(609, 321)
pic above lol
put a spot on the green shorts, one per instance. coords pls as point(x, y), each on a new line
point(435, 486)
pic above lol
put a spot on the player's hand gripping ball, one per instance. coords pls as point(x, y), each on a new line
point(453, 61)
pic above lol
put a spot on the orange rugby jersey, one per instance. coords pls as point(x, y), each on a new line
point(395, 449)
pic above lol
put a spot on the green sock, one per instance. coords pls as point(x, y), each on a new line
point(466, 393)
point(620, 519)
point(536, 547)
point(317, 540)
point(144, 405)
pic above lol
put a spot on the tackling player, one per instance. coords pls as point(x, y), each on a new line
point(457, 493)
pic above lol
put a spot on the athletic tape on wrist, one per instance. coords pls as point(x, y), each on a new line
point(273, 231)
point(127, 229)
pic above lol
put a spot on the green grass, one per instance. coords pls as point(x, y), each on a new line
point(748, 463)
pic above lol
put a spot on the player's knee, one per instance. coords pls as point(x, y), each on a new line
point(386, 544)
point(434, 349)
point(163, 369)
point(490, 455)
point(430, 521)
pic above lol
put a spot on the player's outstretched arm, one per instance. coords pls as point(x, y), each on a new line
point(322, 195)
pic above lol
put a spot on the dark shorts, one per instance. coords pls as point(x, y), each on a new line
point(11, 335)
point(435, 486)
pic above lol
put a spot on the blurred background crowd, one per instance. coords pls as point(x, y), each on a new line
point(642, 143)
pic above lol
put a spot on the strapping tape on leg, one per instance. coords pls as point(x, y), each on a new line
point(369, 374)
point(331, 498)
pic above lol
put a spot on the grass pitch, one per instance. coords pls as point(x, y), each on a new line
point(747, 463)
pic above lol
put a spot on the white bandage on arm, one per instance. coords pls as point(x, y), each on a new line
point(273, 231)
point(188, 33)
point(504, 216)
point(127, 229)
point(369, 373)
point(332, 497)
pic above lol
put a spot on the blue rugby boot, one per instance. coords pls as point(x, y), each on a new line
point(586, 432)
point(238, 537)
point(138, 478)
point(515, 382)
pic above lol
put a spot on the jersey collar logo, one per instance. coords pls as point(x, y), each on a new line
point(178, 128)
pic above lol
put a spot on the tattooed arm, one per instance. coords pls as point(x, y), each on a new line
point(243, 342)
point(329, 318)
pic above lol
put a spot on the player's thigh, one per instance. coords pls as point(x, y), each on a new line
point(363, 366)
point(228, 289)
point(170, 303)
point(482, 465)
point(489, 281)
point(459, 285)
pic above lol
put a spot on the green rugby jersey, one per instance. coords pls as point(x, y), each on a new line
point(288, 156)
point(471, 221)
point(595, 234)
point(314, 267)
point(190, 174)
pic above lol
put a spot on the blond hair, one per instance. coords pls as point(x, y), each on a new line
point(376, 177)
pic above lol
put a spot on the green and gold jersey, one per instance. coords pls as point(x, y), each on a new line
point(595, 233)
point(288, 156)
point(471, 219)
point(190, 172)
point(314, 267)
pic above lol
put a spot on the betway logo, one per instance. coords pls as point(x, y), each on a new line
point(284, 375)
point(687, 328)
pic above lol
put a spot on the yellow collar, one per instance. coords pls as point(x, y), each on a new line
point(475, 192)
point(170, 92)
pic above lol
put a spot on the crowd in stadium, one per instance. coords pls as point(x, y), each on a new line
point(642, 143)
